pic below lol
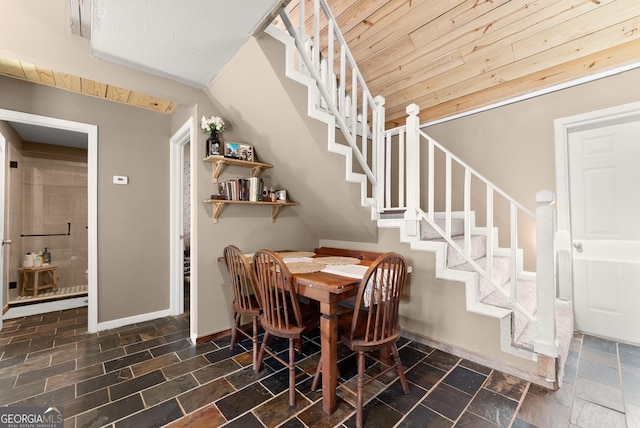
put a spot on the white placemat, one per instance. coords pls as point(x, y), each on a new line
point(299, 259)
point(352, 271)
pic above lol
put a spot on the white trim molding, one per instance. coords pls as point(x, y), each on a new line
point(121, 322)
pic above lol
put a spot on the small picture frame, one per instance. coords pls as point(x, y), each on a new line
point(281, 195)
point(231, 150)
point(245, 152)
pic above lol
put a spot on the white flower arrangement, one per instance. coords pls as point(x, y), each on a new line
point(211, 124)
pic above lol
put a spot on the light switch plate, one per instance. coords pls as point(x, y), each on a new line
point(120, 179)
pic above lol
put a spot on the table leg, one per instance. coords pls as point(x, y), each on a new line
point(329, 355)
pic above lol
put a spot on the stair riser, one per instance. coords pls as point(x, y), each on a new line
point(478, 250)
point(427, 232)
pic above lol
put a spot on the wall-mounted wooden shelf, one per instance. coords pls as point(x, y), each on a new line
point(220, 161)
point(218, 204)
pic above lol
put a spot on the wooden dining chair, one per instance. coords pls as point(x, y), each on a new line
point(245, 300)
point(373, 325)
point(282, 315)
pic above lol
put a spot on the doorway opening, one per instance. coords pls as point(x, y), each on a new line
point(46, 206)
point(87, 227)
point(182, 240)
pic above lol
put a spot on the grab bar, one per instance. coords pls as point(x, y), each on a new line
point(52, 234)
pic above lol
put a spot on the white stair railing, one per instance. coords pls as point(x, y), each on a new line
point(325, 57)
point(442, 183)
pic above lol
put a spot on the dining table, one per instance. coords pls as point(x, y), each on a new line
point(329, 286)
point(329, 289)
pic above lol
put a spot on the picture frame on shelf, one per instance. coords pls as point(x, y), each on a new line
point(231, 150)
point(246, 152)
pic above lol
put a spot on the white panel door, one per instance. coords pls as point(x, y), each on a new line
point(604, 180)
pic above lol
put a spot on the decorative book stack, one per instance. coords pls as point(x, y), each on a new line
point(243, 189)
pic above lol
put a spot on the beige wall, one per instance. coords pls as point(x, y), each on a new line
point(133, 219)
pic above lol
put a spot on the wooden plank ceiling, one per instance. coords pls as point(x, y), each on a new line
point(45, 76)
point(458, 55)
point(447, 56)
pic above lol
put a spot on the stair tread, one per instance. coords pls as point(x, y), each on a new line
point(564, 333)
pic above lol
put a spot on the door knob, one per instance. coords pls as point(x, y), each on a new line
point(6, 241)
point(578, 246)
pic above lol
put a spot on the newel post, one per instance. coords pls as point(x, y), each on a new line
point(413, 168)
point(379, 151)
point(545, 342)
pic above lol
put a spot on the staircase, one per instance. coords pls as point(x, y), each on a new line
point(386, 164)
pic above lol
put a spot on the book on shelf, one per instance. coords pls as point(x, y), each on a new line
point(243, 189)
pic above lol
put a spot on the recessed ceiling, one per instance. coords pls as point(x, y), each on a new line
point(187, 41)
point(45, 135)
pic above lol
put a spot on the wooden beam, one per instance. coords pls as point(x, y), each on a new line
point(12, 67)
point(37, 74)
point(91, 87)
point(67, 81)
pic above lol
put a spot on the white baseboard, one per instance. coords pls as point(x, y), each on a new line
point(107, 325)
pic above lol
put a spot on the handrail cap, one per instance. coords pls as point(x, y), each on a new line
point(545, 197)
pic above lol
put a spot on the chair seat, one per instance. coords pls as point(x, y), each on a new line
point(254, 305)
point(310, 320)
point(344, 329)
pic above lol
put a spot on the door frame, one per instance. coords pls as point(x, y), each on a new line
point(3, 217)
point(176, 221)
point(92, 195)
point(563, 128)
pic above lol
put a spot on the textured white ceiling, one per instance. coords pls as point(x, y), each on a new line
point(187, 41)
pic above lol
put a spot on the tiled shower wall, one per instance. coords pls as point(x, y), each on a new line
point(54, 193)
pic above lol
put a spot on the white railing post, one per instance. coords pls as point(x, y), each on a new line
point(545, 341)
point(379, 152)
point(412, 168)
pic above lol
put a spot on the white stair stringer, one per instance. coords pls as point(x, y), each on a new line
point(471, 283)
point(319, 114)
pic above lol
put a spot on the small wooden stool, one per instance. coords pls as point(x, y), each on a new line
point(52, 270)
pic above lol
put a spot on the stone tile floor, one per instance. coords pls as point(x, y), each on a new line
point(149, 375)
